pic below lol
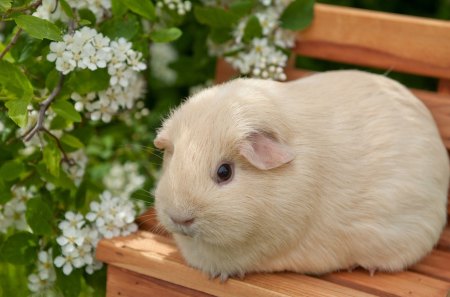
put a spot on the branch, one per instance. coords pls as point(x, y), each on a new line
point(66, 158)
point(11, 43)
point(39, 126)
point(24, 8)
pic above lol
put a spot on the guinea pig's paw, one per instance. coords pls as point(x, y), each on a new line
point(224, 276)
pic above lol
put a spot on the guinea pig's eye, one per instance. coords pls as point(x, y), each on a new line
point(224, 173)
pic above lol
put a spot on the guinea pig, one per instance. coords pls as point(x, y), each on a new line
point(328, 172)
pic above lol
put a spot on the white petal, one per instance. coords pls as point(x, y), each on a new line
point(62, 241)
point(67, 269)
point(59, 261)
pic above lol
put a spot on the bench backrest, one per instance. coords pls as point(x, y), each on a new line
point(387, 41)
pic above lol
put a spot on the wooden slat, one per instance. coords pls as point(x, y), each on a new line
point(444, 241)
point(436, 265)
point(126, 283)
point(403, 284)
point(383, 40)
point(444, 86)
point(156, 256)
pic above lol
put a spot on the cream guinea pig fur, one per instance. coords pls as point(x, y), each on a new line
point(331, 171)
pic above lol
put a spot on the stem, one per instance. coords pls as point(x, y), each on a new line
point(43, 108)
point(66, 158)
point(11, 43)
point(25, 7)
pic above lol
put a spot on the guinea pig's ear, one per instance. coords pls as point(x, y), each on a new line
point(162, 140)
point(264, 152)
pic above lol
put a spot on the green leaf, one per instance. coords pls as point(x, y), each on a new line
point(70, 285)
point(118, 8)
point(39, 216)
point(87, 15)
point(18, 111)
point(215, 16)
point(5, 193)
point(86, 81)
point(38, 28)
point(242, 7)
point(298, 15)
point(220, 35)
point(71, 141)
point(14, 82)
point(66, 8)
point(11, 170)
point(5, 5)
point(252, 29)
point(66, 110)
point(126, 26)
point(52, 157)
point(143, 8)
point(63, 181)
point(20, 248)
point(166, 35)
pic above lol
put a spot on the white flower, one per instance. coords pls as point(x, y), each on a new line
point(70, 238)
point(76, 171)
point(134, 60)
point(65, 64)
point(120, 76)
point(14, 210)
point(268, 20)
point(68, 261)
point(120, 49)
point(57, 51)
point(45, 275)
point(103, 109)
point(82, 101)
point(96, 265)
point(45, 265)
point(162, 54)
point(113, 216)
point(73, 220)
point(50, 10)
point(37, 284)
point(123, 180)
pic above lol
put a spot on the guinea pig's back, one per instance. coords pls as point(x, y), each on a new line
point(381, 167)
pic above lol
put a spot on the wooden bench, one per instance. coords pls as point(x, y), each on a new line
point(149, 264)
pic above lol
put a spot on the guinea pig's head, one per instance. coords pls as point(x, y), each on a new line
point(224, 150)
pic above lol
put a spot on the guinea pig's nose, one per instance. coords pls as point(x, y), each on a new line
point(185, 221)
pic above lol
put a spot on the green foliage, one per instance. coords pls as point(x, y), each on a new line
point(5, 5)
point(143, 8)
point(11, 170)
point(20, 248)
point(39, 217)
point(298, 15)
point(253, 29)
point(166, 35)
point(215, 16)
point(38, 28)
point(66, 110)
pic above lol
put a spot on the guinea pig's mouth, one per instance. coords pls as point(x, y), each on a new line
point(186, 231)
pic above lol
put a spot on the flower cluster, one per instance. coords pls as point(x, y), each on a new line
point(77, 169)
point(112, 216)
point(12, 215)
point(88, 49)
point(180, 6)
point(78, 241)
point(123, 180)
point(162, 54)
point(263, 56)
point(51, 9)
point(101, 8)
point(44, 277)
